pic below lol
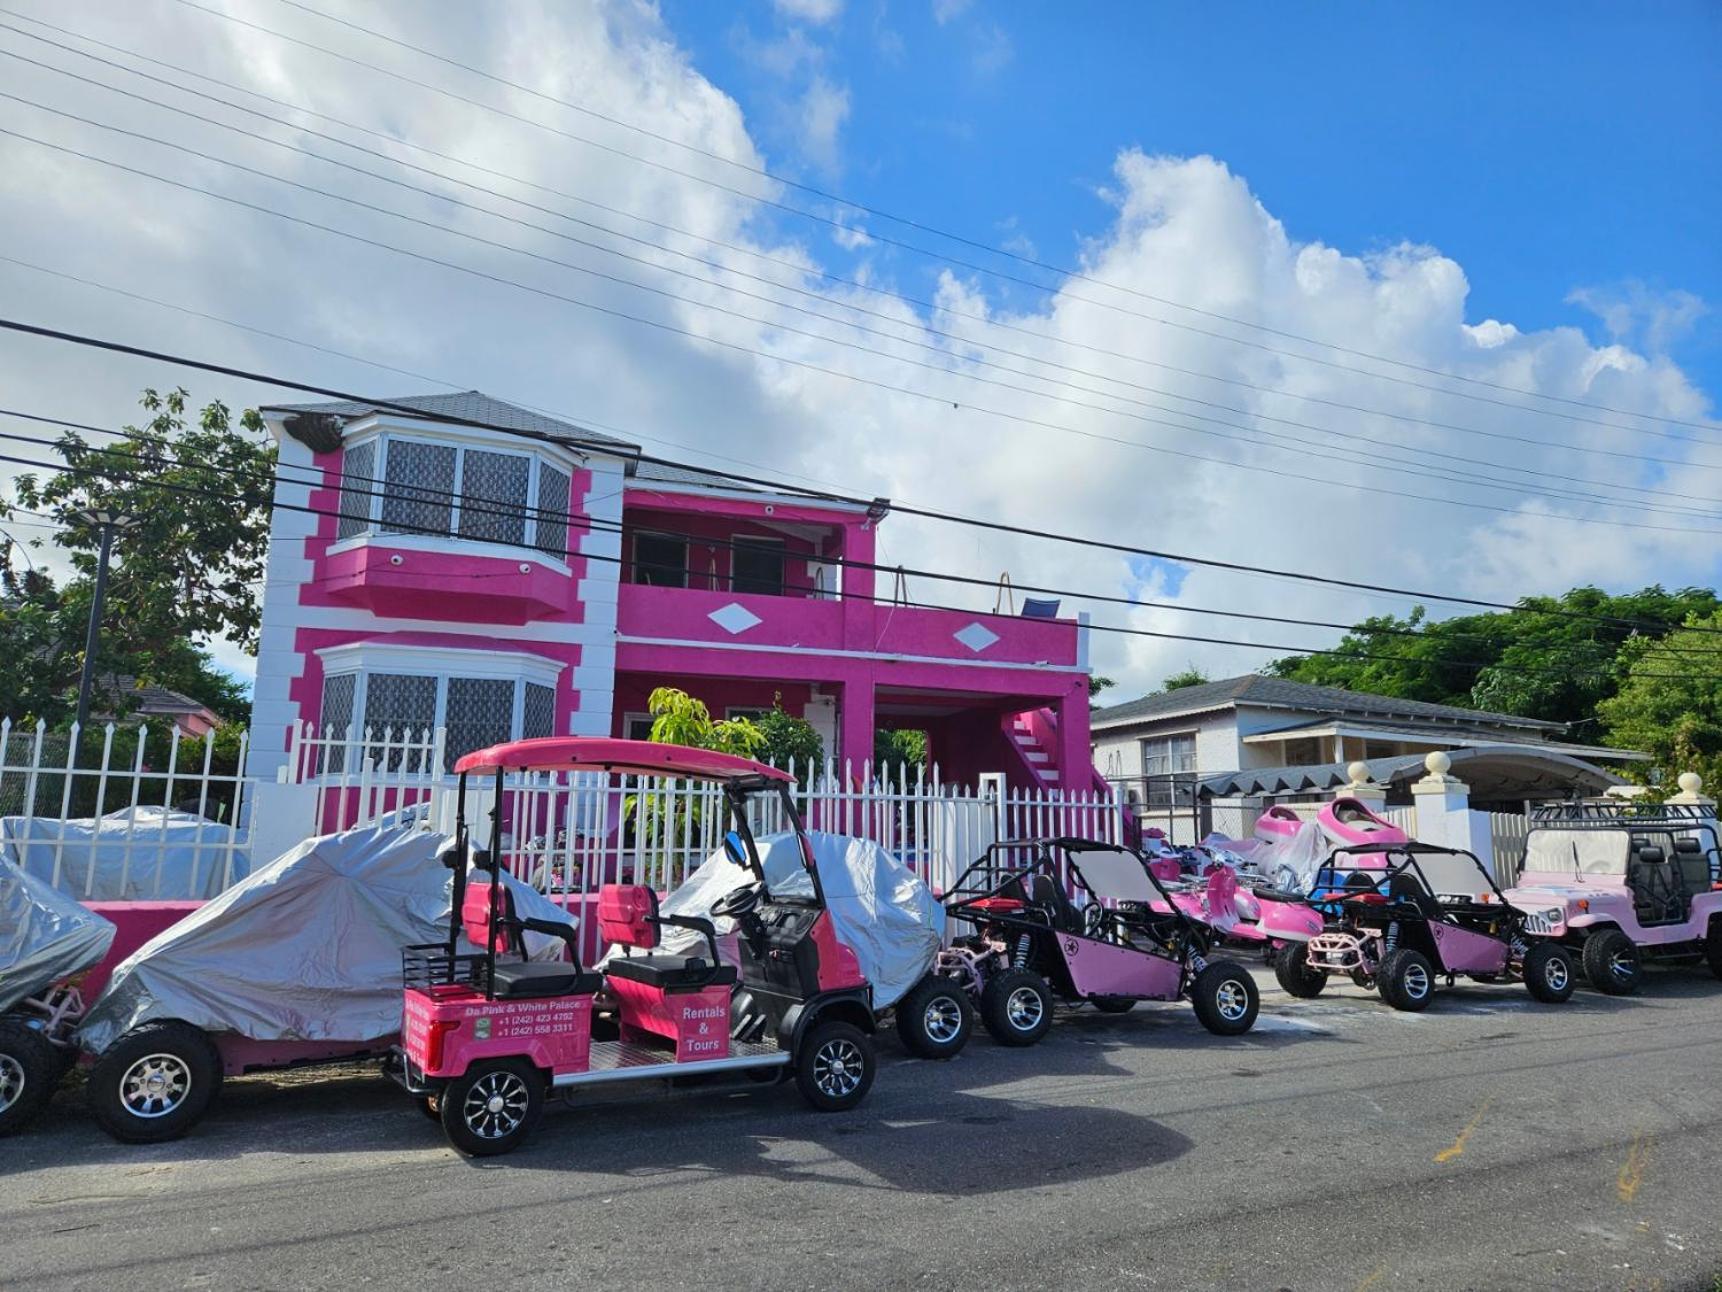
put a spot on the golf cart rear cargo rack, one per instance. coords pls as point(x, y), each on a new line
point(434, 965)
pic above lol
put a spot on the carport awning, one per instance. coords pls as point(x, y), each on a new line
point(1492, 771)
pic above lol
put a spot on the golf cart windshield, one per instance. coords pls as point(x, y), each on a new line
point(1577, 852)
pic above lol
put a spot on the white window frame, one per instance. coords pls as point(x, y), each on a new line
point(363, 659)
point(377, 488)
point(1166, 739)
point(687, 557)
point(629, 719)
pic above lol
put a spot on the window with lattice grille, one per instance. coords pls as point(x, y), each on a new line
point(493, 496)
point(419, 489)
point(553, 501)
point(399, 705)
point(538, 712)
point(480, 712)
point(358, 486)
point(336, 718)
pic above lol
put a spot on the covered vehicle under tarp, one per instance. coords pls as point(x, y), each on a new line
point(44, 936)
point(887, 916)
point(135, 854)
point(306, 949)
point(1289, 862)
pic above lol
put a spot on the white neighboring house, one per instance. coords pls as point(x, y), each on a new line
point(1259, 740)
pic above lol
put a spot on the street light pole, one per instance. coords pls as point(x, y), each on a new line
point(109, 521)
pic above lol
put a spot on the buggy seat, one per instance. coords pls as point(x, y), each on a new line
point(1049, 895)
point(522, 978)
point(628, 915)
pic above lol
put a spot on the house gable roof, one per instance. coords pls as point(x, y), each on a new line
point(1282, 693)
point(466, 406)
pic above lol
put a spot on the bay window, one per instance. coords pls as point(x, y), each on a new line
point(398, 484)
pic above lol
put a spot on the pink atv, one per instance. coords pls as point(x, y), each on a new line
point(1620, 883)
point(1125, 942)
point(1403, 915)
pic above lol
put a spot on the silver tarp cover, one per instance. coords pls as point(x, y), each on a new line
point(308, 948)
point(44, 935)
point(887, 916)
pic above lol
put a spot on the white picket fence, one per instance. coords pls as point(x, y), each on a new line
point(573, 832)
point(128, 816)
point(563, 832)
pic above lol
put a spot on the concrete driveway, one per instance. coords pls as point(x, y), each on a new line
point(1488, 1143)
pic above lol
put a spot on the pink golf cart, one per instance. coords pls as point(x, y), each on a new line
point(487, 1035)
point(1402, 915)
point(1622, 883)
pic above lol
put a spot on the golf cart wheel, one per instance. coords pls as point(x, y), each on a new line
point(1113, 1004)
point(29, 1071)
point(155, 1083)
point(493, 1108)
point(1225, 998)
point(1292, 969)
point(1016, 1007)
point(834, 1068)
point(1611, 962)
point(934, 1020)
point(1406, 980)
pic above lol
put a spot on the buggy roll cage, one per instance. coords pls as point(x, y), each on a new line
point(1694, 819)
point(740, 778)
point(1336, 891)
point(958, 895)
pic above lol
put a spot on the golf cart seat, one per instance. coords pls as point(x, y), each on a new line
point(628, 915)
point(522, 978)
point(1049, 895)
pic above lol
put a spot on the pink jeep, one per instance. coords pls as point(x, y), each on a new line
point(1621, 883)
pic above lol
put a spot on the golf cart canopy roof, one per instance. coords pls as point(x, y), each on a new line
point(602, 754)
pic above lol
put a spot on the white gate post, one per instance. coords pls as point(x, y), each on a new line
point(1444, 816)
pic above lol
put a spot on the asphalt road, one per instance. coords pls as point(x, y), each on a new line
point(1489, 1143)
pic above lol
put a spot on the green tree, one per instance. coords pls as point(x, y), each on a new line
point(789, 741)
point(185, 573)
point(679, 719)
point(898, 751)
point(1189, 676)
point(1666, 711)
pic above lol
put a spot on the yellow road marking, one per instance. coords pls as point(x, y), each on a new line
point(1457, 1148)
point(1374, 1279)
point(1632, 1170)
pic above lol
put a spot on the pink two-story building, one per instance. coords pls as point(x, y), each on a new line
point(540, 579)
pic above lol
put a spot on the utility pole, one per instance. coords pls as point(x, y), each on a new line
point(109, 521)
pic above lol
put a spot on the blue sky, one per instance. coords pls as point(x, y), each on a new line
point(1546, 148)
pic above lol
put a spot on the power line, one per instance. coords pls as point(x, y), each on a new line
point(575, 520)
point(612, 312)
point(385, 405)
point(1461, 477)
point(800, 268)
point(1112, 628)
point(1063, 271)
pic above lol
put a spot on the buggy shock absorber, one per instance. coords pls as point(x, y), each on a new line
point(1391, 940)
point(1019, 958)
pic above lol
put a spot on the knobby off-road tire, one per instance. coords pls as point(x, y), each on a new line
point(1225, 998)
point(29, 1070)
point(1016, 1007)
point(935, 1019)
point(155, 1083)
point(1611, 962)
point(1713, 946)
point(1550, 975)
point(1292, 969)
point(1406, 979)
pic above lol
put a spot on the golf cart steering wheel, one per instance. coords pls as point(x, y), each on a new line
point(738, 903)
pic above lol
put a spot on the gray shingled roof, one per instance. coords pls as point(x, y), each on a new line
point(1279, 692)
point(470, 405)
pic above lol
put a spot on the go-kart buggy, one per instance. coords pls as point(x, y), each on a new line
point(1622, 883)
point(47, 941)
point(1402, 915)
point(1127, 941)
point(487, 1035)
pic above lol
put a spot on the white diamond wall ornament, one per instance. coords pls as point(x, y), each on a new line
point(977, 637)
point(734, 618)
